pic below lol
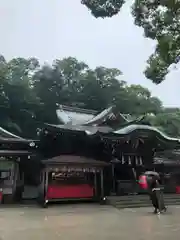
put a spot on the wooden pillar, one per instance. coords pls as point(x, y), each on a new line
point(95, 183)
point(102, 184)
point(46, 180)
point(41, 188)
point(14, 178)
point(113, 178)
point(44, 186)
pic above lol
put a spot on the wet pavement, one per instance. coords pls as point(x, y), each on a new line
point(87, 222)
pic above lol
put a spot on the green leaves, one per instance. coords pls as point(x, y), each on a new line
point(29, 94)
point(168, 121)
point(16, 93)
point(103, 8)
point(160, 20)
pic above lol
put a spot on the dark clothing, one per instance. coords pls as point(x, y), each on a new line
point(154, 200)
point(154, 184)
point(156, 195)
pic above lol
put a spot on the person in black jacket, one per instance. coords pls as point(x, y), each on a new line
point(155, 194)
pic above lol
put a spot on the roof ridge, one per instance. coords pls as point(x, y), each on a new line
point(77, 109)
point(8, 134)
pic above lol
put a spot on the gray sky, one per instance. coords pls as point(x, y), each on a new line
point(60, 28)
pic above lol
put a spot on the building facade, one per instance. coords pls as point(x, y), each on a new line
point(115, 149)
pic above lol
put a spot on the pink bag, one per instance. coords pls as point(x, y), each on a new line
point(143, 182)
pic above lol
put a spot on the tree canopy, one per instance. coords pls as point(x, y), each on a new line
point(29, 94)
point(160, 21)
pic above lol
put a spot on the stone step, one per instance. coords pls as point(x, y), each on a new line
point(144, 200)
point(140, 201)
point(144, 196)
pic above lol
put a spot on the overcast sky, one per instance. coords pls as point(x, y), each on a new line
point(50, 29)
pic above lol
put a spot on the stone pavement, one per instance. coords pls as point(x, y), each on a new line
point(87, 222)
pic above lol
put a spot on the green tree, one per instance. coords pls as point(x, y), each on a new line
point(100, 88)
point(141, 100)
point(72, 82)
point(58, 84)
point(160, 21)
point(29, 94)
point(17, 96)
point(167, 122)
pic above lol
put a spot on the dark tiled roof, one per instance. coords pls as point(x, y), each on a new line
point(87, 129)
point(74, 160)
point(78, 110)
point(6, 134)
point(139, 127)
point(16, 140)
point(4, 153)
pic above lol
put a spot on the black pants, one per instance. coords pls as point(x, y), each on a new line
point(154, 200)
point(157, 199)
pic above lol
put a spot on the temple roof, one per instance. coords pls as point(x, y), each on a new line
point(74, 115)
point(166, 157)
point(4, 153)
point(92, 123)
point(79, 116)
point(75, 160)
point(7, 137)
point(166, 161)
point(89, 130)
point(6, 134)
point(138, 129)
point(146, 128)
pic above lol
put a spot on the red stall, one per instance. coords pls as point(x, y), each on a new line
point(71, 178)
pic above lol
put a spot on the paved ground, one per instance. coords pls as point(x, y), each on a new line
point(87, 222)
